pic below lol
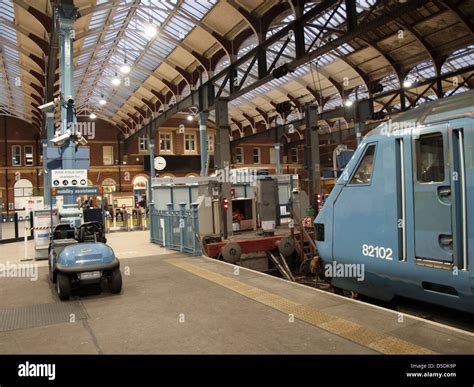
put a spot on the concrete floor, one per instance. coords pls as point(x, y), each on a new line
point(176, 303)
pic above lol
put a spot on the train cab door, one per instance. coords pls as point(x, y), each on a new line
point(433, 195)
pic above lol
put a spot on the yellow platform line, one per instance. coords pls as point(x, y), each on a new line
point(354, 332)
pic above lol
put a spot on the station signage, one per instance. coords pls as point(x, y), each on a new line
point(75, 191)
point(69, 178)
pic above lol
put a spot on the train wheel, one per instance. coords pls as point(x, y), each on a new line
point(231, 252)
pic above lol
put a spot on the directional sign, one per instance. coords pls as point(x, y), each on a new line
point(69, 177)
point(77, 191)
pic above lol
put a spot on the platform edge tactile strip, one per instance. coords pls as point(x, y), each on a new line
point(367, 337)
point(37, 315)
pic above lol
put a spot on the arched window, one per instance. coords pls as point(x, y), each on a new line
point(458, 59)
point(109, 185)
point(421, 72)
point(140, 182)
point(22, 190)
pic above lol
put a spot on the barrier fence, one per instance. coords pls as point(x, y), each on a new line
point(176, 229)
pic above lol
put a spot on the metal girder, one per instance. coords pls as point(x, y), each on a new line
point(392, 14)
point(38, 40)
point(252, 20)
point(44, 19)
point(339, 112)
point(454, 6)
point(148, 45)
point(98, 45)
point(39, 61)
point(225, 43)
point(466, 81)
point(426, 46)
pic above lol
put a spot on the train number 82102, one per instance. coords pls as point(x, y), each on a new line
point(377, 252)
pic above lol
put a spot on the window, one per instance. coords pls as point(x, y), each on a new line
point(256, 155)
point(190, 142)
point(239, 156)
point(29, 155)
point(294, 155)
point(16, 155)
point(430, 158)
point(108, 154)
point(22, 190)
point(166, 143)
point(143, 144)
point(363, 174)
point(210, 143)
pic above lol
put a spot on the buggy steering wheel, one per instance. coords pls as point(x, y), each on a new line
point(91, 229)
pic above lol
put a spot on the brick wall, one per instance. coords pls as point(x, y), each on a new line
point(122, 171)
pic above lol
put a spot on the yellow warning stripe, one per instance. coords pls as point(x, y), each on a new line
point(37, 228)
point(357, 333)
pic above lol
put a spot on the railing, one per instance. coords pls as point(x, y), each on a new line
point(176, 229)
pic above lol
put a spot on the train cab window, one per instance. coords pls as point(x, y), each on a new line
point(430, 158)
point(363, 174)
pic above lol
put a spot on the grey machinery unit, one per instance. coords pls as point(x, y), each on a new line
point(268, 203)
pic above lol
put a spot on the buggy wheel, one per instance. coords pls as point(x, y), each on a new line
point(115, 281)
point(63, 286)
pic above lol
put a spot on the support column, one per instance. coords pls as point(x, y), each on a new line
point(151, 204)
point(222, 160)
point(46, 170)
point(312, 157)
point(358, 127)
point(67, 15)
point(203, 141)
point(277, 159)
point(403, 106)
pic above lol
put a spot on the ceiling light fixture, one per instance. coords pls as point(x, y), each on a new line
point(116, 80)
point(150, 30)
point(92, 116)
point(348, 103)
point(407, 83)
point(125, 68)
point(189, 117)
point(102, 100)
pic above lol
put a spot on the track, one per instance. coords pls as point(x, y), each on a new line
point(441, 315)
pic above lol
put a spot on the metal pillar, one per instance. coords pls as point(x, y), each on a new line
point(46, 171)
point(312, 157)
point(358, 127)
point(151, 204)
point(222, 158)
point(203, 140)
point(402, 98)
point(277, 159)
point(67, 14)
